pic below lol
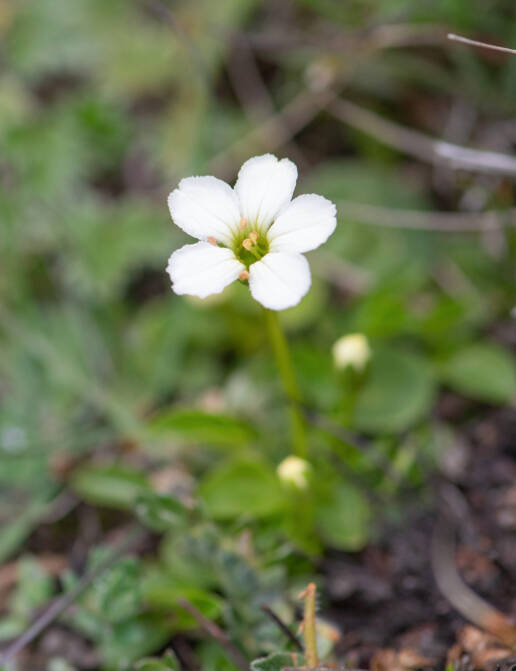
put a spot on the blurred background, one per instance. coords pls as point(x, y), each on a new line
point(115, 392)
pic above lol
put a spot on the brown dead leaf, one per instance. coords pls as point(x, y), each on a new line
point(476, 650)
point(388, 659)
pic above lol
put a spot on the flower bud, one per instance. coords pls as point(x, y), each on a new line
point(294, 471)
point(351, 350)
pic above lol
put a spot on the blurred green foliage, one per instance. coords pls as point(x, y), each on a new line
point(151, 399)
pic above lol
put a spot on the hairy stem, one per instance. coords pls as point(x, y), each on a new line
point(286, 371)
point(309, 632)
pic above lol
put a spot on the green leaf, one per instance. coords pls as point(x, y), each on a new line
point(194, 426)
point(242, 488)
point(398, 392)
point(160, 512)
point(277, 661)
point(33, 590)
point(112, 486)
point(343, 516)
point(162, 591)
point(166, 663)
point(117, 595)
point(132, 638)
point(60, 664)
point(483, 371)
point(12, 626)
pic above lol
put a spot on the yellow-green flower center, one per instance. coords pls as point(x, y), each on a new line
point(249, 244)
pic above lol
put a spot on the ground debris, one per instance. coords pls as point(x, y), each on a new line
point(476, 650)
point(388, 659)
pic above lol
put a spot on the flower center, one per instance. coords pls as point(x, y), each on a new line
point(249, 244)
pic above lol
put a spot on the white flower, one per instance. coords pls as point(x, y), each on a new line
point(294, 471)
point(351, 350)
point(255, 233)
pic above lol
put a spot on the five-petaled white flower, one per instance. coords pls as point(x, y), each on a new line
point(255, 233)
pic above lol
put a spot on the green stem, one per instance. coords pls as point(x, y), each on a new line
point(282, 356)
point(309, 632)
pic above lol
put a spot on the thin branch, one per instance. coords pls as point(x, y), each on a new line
point(344, 275)
point(251, 90)
point(216, 633)
point(279, 128)
point(443, 222)
point(469, 604)
point(422, 146)
point(58, 607)
point(272, 133)
point(482, 45)
point(281, 625)
point(247, 82)
point(380, 37)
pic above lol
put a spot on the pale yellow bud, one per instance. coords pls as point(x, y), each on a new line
point(294, 471)
point(351, 350)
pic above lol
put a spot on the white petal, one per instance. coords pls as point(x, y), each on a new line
point(279, 280)
point(205, 207)
point(264, 186)
point(202, 269)
point(305, 224)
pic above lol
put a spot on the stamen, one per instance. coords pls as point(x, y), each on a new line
point(244, 276)
point(243, 223)
point(212, 240)
point(253, 235)
point(248, 244)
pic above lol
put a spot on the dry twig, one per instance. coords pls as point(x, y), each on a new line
point(216, 633)
point(344, 275)
point(482, 45)
point(279, 128)
point(422, 146)
point(252, 92)
point(443, 222)
point(461, 596)
point(281, 625)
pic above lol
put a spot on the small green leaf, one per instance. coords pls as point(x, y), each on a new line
point(113, 486)
point(60, 664)
point(242, 488)
point(34, 588)
point(161, 589)
point(483, 371)
point(194, 426)
point(343, 516)
point(160, 512)
point(398, 392)
point(277, 661)
point(132, 638)
point(11, 626)
point(166, 663)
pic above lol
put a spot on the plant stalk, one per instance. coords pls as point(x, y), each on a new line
point(312, 659)
point(282, 355)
